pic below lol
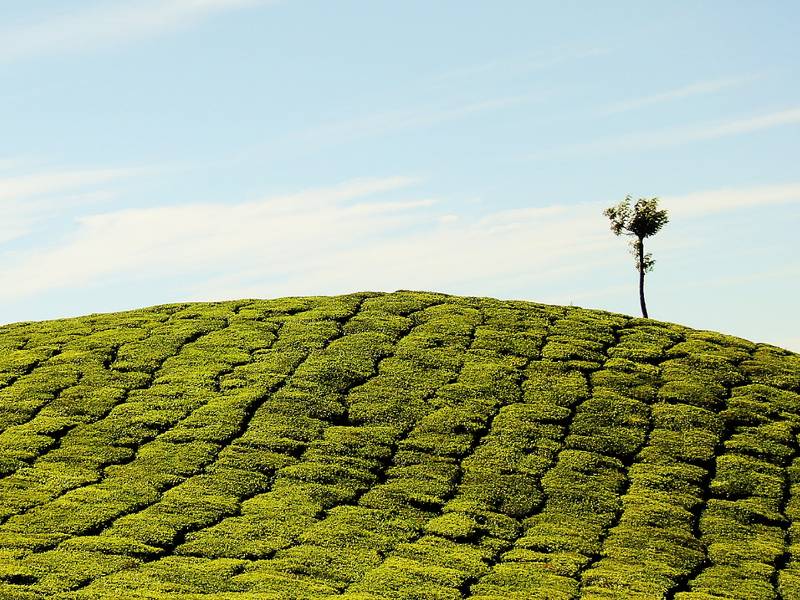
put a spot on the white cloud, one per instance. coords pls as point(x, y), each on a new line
point(342, 238)
point(786, 271)
point(7, 164)
point(272, 233)
point(315, 241)
point(37, 184)
point(675, 137)
point(699, 204)
point(757, 123)
point(516, 66)
point(27, 200)
point(688, 91)
point(108, 23)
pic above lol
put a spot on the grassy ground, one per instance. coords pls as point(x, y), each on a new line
point(407, 445)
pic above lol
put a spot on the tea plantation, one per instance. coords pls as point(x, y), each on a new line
point(408, 445)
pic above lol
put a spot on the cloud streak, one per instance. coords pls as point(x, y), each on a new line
point(382, 123)
point(404, 120)
point(28, 200)
point(688, 91)
point(515, 67)
point(22, 187)
point(675, 137)
point(341, 238)
point(701, 204)
point(108, 24)
point(275, 233)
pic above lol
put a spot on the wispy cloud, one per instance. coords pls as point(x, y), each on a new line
point(341, 238)
point(386, 122)
point(108, 23)
point(700, 204)
point(28, 200)
point(6, 164)
point(405, 119)
point(429, 114)
point(276, 234)
point(504, 67)
point(791, 271)
point(675, 136)
point(695, 89)
point(320, 240)
point(425, 252)
point(26, 186)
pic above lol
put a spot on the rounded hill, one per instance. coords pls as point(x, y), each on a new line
point(410, 445)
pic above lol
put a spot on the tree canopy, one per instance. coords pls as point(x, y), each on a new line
point(640, 221)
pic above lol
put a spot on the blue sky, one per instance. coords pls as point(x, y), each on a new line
point(154, 151)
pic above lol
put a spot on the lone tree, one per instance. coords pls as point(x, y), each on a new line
point(640, 221)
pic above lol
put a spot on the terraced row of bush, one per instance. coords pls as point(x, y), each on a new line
point(407, 445)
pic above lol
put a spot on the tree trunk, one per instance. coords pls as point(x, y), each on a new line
point(640, 251)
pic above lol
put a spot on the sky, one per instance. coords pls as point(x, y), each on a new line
point(156, 151)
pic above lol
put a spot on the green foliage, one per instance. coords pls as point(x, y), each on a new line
point(405, 445)
point(642, 220)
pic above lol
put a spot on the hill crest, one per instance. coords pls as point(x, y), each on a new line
point(403, 445)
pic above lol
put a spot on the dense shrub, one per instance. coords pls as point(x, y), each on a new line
point(381, 446)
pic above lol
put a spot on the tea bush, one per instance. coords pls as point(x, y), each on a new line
point(409, 445)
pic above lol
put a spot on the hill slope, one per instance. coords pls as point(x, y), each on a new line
point(407, 445)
